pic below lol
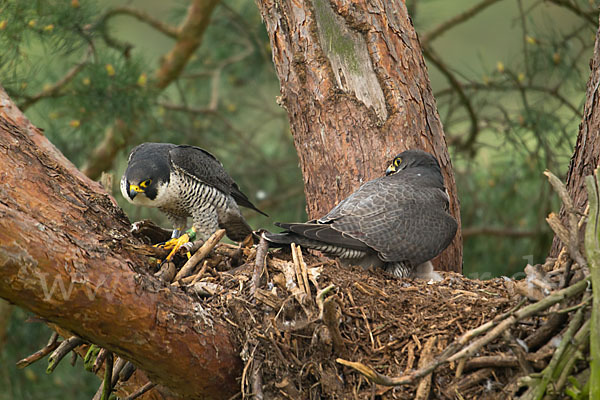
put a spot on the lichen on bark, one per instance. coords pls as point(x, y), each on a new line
point(351, 64)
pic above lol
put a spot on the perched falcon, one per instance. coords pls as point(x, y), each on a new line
point(399, 221)
point(186, 181)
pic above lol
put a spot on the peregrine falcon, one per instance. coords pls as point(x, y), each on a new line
point(186, 181)
point(399, 221)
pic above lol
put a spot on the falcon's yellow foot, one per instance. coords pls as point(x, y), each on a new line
point(176, 243)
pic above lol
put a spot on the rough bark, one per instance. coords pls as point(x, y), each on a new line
point(587, 148)
point(356, 89)
point(66, 255)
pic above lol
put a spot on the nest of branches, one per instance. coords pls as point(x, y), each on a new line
point(309, 328)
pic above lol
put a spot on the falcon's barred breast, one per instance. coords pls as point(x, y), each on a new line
point(186, 181)
point(399, 221)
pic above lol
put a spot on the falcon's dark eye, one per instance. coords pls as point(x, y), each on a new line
point(146, 183)
point(397, 162)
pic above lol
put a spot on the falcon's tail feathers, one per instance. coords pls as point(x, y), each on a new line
point(287, 238)
point(237, 229)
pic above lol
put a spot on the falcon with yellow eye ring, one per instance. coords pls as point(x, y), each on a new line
point(186, 181)
point(397, 222)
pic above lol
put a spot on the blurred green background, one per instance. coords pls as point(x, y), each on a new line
point(509, 82)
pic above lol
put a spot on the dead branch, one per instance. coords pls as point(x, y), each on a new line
point(62, 350)
point(148, 386)
point(43, 352)
point(259, 264)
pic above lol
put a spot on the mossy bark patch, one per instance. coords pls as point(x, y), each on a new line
point(347, 52)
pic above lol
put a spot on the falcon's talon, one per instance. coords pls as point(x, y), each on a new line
point(176, 244)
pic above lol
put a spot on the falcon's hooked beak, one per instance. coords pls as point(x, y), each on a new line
point(134, 190)
point(395, 166)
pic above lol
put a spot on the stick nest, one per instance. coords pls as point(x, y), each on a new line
point(310, 328)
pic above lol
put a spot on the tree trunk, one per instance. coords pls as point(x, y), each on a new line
point(66, 254)
point(587, 149)
point(355, 86)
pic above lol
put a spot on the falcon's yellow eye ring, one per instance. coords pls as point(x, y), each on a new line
point(146, 183)
point(397, 162)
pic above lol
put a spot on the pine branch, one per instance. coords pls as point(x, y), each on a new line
point(142, 16)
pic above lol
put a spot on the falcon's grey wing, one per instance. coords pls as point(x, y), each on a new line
point(401, 216)
point(203, 166)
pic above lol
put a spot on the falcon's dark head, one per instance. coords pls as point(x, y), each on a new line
point(413, 159)
point(146, 176)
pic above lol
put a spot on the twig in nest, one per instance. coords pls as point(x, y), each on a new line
point(368, 290)
point(99, 360)
point(301, 272)
point(117, 368)
point(573, 355)
point(426, 356)
point(321, 298)
point(289, 271)
point(524, 312)
point(364, 317)
point(192, 279)
point(571, 237)
point(73, 358)
point(41, 353)
point(140, 391)
point(200, 273)
point(468, 381)
point(539, 389)
point(257, 390)
point(206, 248)
point(259, 265)
point(331, 319)
point(126, 372)
point(502, 361)
point(249, 363)
point(518, 351)
point(566, 276)
point(541, 335)
point(62, 350)
point(381, 379)
point(167, 272)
